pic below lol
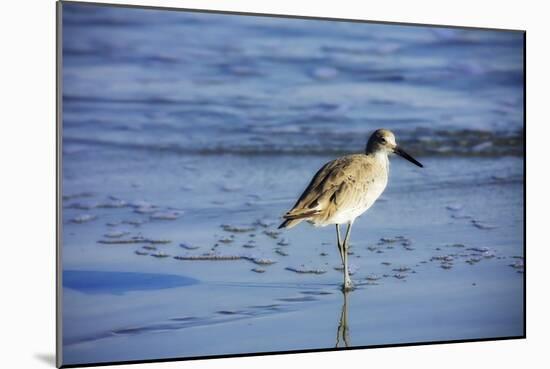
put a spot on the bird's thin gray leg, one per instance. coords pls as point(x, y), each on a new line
point(347, 280)
point(340, 246)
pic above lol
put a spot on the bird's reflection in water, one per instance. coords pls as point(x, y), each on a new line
point(342, 335)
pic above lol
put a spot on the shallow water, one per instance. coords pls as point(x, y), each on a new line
point(181, 151)
point(403, 293)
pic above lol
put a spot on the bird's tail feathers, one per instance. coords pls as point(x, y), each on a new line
point(293, 219)
point(289, 223)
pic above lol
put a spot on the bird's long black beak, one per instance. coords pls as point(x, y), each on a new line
point(399, 151)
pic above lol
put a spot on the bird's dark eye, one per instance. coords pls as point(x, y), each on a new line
point(382, 140)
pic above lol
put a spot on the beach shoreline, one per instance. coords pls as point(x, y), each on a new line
point(219, 228)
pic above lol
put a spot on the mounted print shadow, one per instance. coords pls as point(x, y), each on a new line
point(239, 184)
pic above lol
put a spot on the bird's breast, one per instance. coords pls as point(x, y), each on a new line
point(372, 191)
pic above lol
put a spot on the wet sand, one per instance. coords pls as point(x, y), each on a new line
point(439, 257)
point(176, 173)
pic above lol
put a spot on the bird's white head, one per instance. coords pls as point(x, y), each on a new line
point(383, 141)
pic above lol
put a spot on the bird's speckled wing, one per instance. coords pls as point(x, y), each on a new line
point(338, 184)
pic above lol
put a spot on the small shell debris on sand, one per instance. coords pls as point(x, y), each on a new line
point(457, 211)
point(139, 252)
point(386, 240)
point(83, 218)
point(140, 204)
point(481, 225)
point(157, 241)
point(283, 242)
point(265, 223)
point(478, 249)
point(442, 258)
point(272, 234)
point(482, 252)
point(473, 261)
point(237, 229)
point(145, 210)
point(456, 245)
point(402, 269)
point(226, 240)
point(454, 207)
point(81, 206)
point(113, 203)
point(250, 244)
point(232, 312)
point(218, 257)
point(134, 222)
point(160, 254)
point(445, 261)
point(259, 261)
point(316, 293)
point(166, 215)
point(188, 247)
point(133, 240)
point(143, 207)
point(400, 276)
point(372, 278)
point(116, 234)
point(281, 252)
point(304, 270)
point(77, 195)
point(460, 216)
point(519, 266)
point(207, 256)
point(231, 188)
point(488, 254)
point(258, 270)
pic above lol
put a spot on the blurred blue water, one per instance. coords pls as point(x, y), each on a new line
point(210, 83)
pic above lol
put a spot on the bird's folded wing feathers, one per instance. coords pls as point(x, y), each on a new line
point(334, 184)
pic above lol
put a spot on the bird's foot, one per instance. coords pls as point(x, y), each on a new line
point(347, 286)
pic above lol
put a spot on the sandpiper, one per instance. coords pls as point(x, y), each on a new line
point(345, 188)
